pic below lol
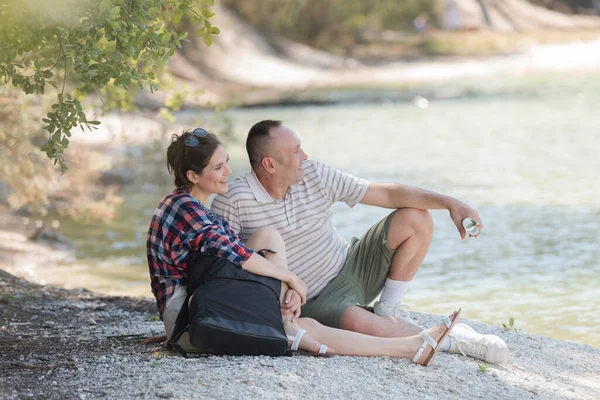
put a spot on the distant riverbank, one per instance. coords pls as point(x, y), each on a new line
point(243, 68)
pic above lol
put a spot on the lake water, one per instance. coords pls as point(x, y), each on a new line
point(527, 159)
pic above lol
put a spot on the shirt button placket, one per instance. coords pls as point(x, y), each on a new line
point(287, 202)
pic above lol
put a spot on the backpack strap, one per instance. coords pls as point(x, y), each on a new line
point(181, 326)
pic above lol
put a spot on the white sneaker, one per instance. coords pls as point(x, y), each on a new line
point(466, 341)
point(398, 311)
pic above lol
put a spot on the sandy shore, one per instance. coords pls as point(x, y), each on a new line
point(74, 344)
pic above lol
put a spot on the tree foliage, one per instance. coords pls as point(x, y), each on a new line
point(81, 47)
point(34, 184)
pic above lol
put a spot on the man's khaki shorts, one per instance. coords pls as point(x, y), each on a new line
point(361, 279)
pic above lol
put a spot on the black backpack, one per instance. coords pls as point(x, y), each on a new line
point(231, 311)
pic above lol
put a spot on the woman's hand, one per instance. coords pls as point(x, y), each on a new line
point(291, 304)
point(299, 286)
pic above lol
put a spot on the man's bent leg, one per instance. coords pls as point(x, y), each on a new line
point(358, 284)
point(339, 306)
point(409, 234)
point(358, 319)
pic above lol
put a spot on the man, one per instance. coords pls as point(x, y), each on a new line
point(287, 191)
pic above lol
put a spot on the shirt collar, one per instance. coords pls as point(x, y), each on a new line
point(258, 190)
point(260, 193)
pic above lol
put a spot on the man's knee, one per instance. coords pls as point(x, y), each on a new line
point(353, 319)
point(408, 222)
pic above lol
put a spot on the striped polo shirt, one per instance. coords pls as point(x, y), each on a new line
point(316, 251)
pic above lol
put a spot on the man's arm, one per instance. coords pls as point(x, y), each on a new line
point(392, 195)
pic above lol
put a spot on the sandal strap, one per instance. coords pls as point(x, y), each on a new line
point(296, 339)
point(323, 349)
point(427, 340)
point(447, 322)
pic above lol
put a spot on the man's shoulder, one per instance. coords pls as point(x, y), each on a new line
point(239, 189)
point(312, 169)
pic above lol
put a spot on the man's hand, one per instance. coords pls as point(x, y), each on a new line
point(291, 304)
point(458, 212)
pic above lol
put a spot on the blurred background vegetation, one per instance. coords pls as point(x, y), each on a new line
point(61, 52)
point(388, 29)
point(334, 25)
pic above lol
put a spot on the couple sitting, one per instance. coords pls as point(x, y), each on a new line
point(284, 205)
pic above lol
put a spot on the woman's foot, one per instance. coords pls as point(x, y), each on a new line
point(438, 333)
point(303, 341)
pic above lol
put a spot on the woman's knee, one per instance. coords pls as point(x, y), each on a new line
point(309, 324)
point(266, 237)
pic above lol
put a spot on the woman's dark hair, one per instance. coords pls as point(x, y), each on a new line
point(194, 155)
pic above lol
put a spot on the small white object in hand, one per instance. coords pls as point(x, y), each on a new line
point(470, 226)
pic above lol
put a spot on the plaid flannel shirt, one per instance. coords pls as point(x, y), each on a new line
point(181, 224)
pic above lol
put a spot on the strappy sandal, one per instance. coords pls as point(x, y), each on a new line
point(429, 341)
point(296, 343)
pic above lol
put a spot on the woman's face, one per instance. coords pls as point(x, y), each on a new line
point(214, 176)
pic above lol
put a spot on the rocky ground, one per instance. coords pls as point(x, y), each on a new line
point(74, 344)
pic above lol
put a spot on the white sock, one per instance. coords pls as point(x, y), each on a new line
point(393, 291)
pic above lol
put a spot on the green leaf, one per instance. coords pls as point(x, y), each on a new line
point(114, 12)
point(214, 30)
point(121, 80)
point(207, 39)
point(207, 13)
point(176, 18)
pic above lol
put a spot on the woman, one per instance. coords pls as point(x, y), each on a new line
point(182, 224)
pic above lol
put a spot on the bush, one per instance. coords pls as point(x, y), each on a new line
point(33, 182)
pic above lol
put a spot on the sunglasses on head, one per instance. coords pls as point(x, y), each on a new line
point(192, 141)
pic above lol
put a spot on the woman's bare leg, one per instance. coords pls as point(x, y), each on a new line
point(357, 344)
point(269, 238)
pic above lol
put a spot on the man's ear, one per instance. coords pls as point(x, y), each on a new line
point(191, 176)
point(268, 164)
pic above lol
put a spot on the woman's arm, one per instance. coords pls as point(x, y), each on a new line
point(261, 266)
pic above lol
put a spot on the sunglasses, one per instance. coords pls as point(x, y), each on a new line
point(192, 141)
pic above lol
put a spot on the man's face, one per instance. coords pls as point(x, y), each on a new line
point(287, 154)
